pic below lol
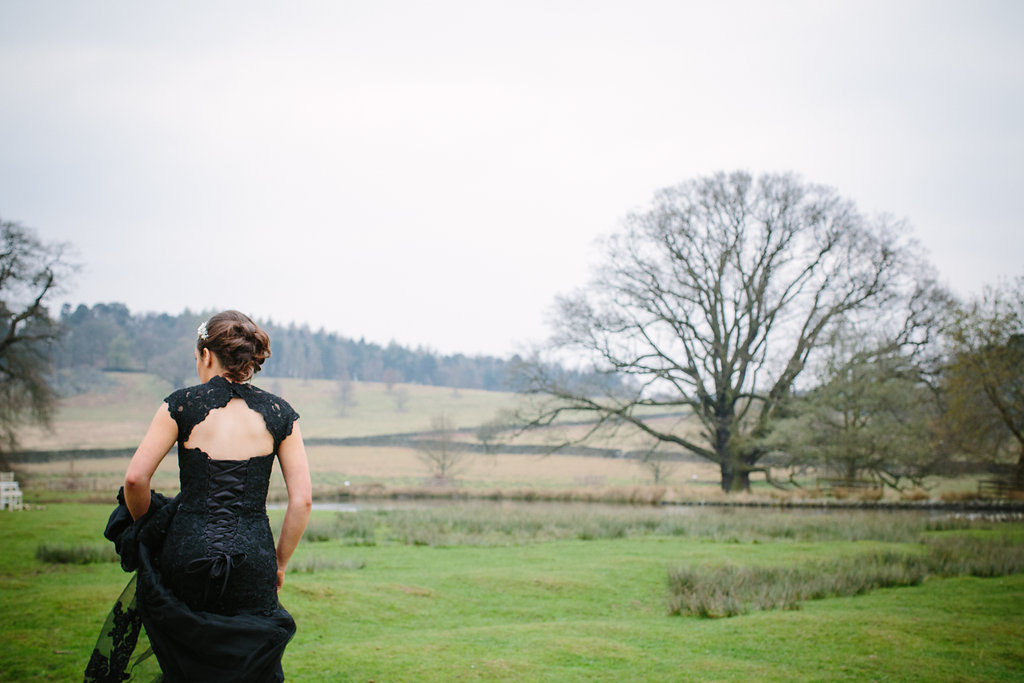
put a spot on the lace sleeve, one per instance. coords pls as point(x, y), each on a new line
point(191, 405)
point(287, 417)
point(176, 405)
point(278, 413)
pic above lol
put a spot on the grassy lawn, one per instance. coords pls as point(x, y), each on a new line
point(506, 592)
point(558, 608)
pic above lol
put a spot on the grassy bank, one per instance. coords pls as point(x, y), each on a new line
point(515, 592)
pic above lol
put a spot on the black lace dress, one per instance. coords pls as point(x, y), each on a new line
point(206, 587)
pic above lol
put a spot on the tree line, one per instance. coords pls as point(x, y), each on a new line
point(110, 337)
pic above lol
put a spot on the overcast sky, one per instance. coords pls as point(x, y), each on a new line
point(434, 173)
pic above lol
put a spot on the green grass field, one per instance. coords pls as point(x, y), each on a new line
point(527, 592)
point(576, 593)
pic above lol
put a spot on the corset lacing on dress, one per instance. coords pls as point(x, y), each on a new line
point(223, 506)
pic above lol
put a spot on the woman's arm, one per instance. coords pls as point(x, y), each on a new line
point(295, 468)
point(159, 438)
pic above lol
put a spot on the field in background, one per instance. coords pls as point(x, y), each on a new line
point(118, 416)
point(372, 471)
point(117, 419)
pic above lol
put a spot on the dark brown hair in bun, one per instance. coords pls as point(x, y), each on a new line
point(240, 345)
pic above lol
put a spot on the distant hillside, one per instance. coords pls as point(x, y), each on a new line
point(116, 413)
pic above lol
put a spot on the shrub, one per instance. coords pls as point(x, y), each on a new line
point(957, 496)
point(915, 494)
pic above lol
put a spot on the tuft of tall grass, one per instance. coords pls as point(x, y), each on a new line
point(605, 527)
point(351, 529)
point(982, 556)
point(728, 590)
point(514, 523)
point(75, 554)
point(484, 525)
point(745, 526)
point(310, 564)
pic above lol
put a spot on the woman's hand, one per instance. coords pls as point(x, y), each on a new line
point(280, 579)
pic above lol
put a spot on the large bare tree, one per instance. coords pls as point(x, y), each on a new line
point(30, 273)
point(714, 301)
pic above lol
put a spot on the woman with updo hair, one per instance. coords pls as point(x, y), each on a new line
point(237, 342)
point(208, 571)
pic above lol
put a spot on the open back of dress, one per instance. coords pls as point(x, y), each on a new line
point(234, 432)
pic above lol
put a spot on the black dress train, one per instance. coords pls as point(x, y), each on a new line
point(206, 583)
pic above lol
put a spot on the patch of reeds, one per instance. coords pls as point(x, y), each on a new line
point(350, 529)
point(628, 495)
point(511, 523)
point(728, 590)
point(479, 525)
point(75, 554)
point(310, 564)
point(982, 556)
point(746, 526)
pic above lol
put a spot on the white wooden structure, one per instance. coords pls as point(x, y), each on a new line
point(10, 492)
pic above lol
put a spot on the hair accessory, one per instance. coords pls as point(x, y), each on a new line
point(203, 334)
